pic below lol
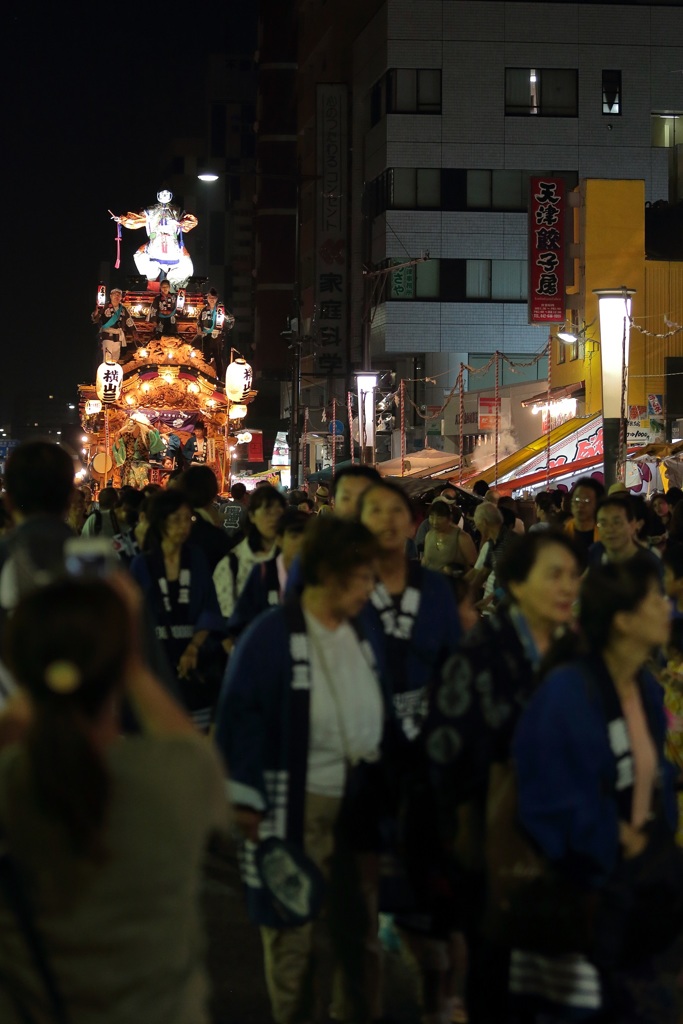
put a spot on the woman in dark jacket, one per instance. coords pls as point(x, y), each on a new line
point(179, 591)
point(593, 782)
point(473, 715)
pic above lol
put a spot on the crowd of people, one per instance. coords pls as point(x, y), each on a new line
point(455, 726)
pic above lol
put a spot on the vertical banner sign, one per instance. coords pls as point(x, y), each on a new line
point(331, 265)
point(546, 302)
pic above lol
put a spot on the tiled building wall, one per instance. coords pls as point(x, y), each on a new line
point(473, 43)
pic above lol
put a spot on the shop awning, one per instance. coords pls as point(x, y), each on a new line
point(530, 451)
point(556, 394)
point(426, 463)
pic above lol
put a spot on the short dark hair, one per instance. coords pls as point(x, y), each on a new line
point(129, 496)
point(592, 484)
point(546, 501)
point(361, 471)
point(389, 485)
point(521, 553)
point(108, 499)
point(674, 495)
point(161, 506)
point(199, 485)
point(293, 521)
point(237, 491)
point(266, 495)
point(440, 508)
point(39, 477)
point(612, 588)
point(335, 546)
point(616, 501)
point(261, 497)
point(480, 487)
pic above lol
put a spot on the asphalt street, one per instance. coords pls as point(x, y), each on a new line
point(235, 964)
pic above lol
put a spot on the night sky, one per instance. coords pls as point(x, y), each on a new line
point(93, 101)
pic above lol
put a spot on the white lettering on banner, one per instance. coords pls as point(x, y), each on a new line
point(584, 443)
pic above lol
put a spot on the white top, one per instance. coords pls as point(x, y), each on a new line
point(346, 710)
point(481, 557)
point(228, 589)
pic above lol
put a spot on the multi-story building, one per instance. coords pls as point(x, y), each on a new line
point(453, 105)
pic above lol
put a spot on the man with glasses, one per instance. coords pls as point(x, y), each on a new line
point(582, 526)
point(616, 519)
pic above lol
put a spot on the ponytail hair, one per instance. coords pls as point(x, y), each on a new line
point(66, 645)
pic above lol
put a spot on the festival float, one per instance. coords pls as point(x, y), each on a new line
point(160, 400)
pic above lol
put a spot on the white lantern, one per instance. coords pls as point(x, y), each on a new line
point(109, 380)
point(238, 380)
point(237, 412)
point(92, 407)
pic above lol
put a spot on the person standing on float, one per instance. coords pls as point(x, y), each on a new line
point(164, 251)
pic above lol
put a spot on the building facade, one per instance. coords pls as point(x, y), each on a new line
point(455, 105)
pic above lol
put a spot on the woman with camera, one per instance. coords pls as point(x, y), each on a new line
point(103, 836)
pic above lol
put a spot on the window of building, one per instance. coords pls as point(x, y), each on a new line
point(377, 102)
point(667, 129)
point(561, 352)
point(419, 281)
point(415, 188)
point(413, 91)
point(449, 280)
point(543, 92)
point(497, 190)
point(611, 92)
point(508, 375)
point(505, 189)
point(497, 280)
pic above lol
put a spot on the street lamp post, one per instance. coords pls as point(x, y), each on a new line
point(208, 176)
point(615, 313)
point(366, 382)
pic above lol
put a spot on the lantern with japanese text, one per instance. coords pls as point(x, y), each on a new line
point(92, 407)
point(109, 380)
point(238, 380)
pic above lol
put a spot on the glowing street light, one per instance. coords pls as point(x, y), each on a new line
point(615, 315)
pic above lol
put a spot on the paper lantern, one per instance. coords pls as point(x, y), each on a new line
point(109, 380)
point(92, 407)
point(238, 380)
point(237, 412)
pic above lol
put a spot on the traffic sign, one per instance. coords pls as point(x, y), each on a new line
point(336, 427)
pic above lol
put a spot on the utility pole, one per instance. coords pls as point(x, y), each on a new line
point(295, 409)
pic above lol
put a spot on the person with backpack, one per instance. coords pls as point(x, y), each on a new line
point(266, 505)
point(103, 521)
point(110, 521)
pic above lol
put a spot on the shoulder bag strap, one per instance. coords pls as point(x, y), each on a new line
point(14, 892)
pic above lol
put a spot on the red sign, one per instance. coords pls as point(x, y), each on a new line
point(546, 299)
point(255, 448)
